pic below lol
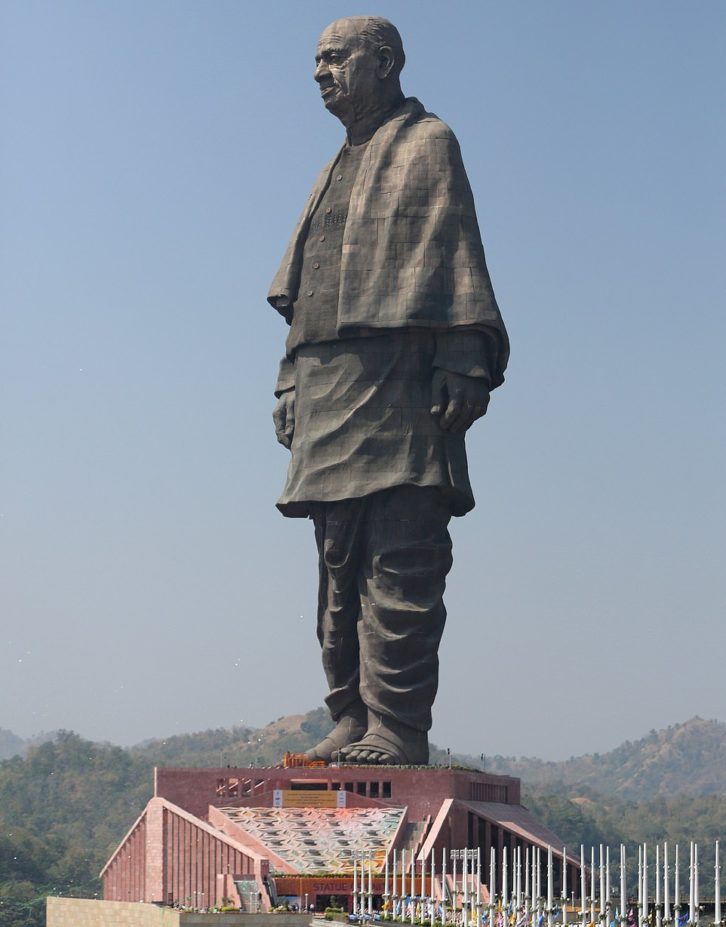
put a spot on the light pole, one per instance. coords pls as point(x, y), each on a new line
point(717, 889)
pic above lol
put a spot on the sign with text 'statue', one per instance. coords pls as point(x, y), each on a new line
point(308, 798)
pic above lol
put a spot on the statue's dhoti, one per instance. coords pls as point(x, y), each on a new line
point(383, 565)
point(363, 424)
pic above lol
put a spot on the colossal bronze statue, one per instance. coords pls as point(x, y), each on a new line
point(395, 342)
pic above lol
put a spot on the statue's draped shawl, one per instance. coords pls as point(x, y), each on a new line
point(412, 251)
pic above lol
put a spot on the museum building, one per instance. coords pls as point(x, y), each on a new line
point(261, 837)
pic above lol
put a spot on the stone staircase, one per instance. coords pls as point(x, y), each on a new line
point(414, 834)
point(248, 891)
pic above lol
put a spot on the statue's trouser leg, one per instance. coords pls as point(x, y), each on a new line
point(383, 566)
point(337, 537)
point(406, 560)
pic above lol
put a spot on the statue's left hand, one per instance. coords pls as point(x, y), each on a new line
point(458, 400)
point(283, 415)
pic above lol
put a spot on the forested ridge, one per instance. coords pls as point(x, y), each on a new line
point(67, 802)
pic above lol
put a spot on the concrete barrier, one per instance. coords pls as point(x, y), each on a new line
point(86, 912)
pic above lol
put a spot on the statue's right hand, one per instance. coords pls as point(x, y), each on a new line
point(283, 415)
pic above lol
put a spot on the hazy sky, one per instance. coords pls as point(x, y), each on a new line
point(154, 158)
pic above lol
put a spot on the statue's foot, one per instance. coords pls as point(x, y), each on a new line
point(350, 727)
point(388, 743)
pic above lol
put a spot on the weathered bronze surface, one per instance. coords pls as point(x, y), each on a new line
point(394, 345)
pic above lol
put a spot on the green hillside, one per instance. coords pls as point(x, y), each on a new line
point(683, 759)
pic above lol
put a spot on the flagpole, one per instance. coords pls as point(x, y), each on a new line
point(696, 898)
point(443, 887)
point(413, 887)
point(432, 896)
point(423, 885)
point(717, 889)
point(492, 884)
point(465, 885)
point(676, 898)
point(583, 886)
point(403, 885)
point(505, 880)
point(550, 886)
point(385, 892)
point(645, 883)
point(608, 905)
point(355, 885)
point(478, 887)
point(518, 877)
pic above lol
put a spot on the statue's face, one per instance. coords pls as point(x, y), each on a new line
point(347, 70)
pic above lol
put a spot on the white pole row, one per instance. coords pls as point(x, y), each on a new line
point(419, 890)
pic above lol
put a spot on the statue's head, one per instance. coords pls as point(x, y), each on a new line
point(358, 63)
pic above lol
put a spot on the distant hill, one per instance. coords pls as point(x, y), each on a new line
point(239, 746)
point(684, 759)
point(10, 744)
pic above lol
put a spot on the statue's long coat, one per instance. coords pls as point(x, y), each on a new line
point(412, 251)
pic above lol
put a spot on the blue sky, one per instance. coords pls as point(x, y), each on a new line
point(154, 159)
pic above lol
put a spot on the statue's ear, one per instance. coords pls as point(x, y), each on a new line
point(386, 61)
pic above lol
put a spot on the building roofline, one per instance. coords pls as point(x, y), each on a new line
point(197, 822)
point(125, 838)
point(505, 818)
point(438, 822)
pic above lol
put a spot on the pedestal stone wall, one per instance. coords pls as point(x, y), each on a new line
point(81, 912)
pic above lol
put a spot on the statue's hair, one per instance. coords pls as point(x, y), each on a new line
point(377, 32)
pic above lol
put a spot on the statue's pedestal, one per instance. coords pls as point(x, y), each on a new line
point(306, 835)
point(421, 789)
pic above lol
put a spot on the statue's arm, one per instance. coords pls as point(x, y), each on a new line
point(462, 377)
point(283, 415)
point(285, 377)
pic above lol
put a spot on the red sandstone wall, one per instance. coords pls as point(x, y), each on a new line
point(422, 789)
point(171, 859)
point(125, 877)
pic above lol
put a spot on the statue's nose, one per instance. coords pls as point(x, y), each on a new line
point(321, 69)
